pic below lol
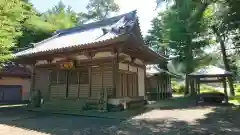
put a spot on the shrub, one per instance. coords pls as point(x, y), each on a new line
point(178, 87)
point(36, 99)
point(237, 87)
point(206, 89)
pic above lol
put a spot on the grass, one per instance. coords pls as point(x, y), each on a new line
point(236, 99)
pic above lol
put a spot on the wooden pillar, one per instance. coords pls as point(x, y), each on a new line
point(90, 81)
point(157, 92)
point(145, 83)
point(115, 74)
point(197, 89)
point(225, 89)
point(79, 85)
point(198, 86)
point(33, 78)
point(162, 87)
point(49, 85)
point(67, 83)
point(137, 93)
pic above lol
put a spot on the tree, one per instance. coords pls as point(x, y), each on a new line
point(40, 26)
point(12, 14)
point(184, 38)
point(99, 9)
point(225, 26)
point(61, 17)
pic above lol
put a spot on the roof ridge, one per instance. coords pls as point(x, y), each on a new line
point(96, 23)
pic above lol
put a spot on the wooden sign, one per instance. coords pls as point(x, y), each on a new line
point(66, 65)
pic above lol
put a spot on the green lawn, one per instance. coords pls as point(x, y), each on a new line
point(236, 99)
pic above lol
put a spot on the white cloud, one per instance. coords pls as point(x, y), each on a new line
point(145, 11)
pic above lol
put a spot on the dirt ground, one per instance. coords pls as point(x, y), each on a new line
point(188, 121)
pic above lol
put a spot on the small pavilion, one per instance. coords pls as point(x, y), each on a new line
point(208, 74)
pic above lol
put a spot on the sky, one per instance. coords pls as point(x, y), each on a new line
point(145, 8)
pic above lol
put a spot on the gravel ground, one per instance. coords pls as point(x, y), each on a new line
point(192, 121)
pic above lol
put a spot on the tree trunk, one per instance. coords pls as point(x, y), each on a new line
point(225, 60)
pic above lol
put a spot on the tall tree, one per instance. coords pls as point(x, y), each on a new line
point(184, 38)
point(61, 16)
point(12, 14)
point(100, 9)
point(225, 26)
point(39, 26)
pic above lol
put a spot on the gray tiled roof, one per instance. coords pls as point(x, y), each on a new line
point(211, 70)
point(85, 34)
point(153, 69)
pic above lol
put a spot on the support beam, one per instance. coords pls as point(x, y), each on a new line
point(115, 68)
point(225, 89)
point(33, 78)
point(90, 81)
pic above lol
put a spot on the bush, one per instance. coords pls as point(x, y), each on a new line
point(36, 99)
point(178, 87)
point(206, 89)
point(237, 87)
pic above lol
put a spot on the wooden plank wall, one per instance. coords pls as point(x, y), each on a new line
point(96, 82)
point(101, 78)
point(159, 87)
point(42, 82)
point(108, 80)
point(58, 91)
point(128, 85)
point(73, 90)
point(83, 90)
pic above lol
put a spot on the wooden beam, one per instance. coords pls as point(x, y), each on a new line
point(33, 78)
point(133, 64)
point(225, 89)
point(90, 81)
point(79, 85)
point(145, 82)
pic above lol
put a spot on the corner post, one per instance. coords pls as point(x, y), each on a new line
point(33, 78)
point(225, 89)
point(115, 68)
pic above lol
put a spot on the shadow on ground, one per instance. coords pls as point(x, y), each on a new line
point(220, 120)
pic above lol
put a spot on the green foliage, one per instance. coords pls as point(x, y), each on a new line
point(61, 17)
point(12, 14)
point(21, 24)
point(99, 9)
point(171, 33)
point(237, 87)
point(40, 26)
point(207, 89)
point(177, 87)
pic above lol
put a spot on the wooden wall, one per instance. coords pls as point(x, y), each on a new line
point(42, 81)
point(159, 87)
point(102, 77)
point(128, 81)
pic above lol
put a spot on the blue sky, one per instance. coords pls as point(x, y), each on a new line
point(146, 8)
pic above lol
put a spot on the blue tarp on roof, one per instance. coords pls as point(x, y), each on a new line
point(85, 34)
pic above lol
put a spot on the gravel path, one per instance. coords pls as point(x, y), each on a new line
point(192, 121)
